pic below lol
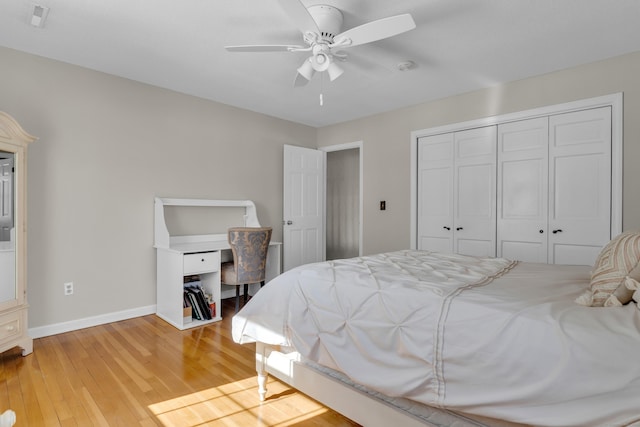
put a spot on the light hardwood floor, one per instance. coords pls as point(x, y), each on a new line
point(145, 372)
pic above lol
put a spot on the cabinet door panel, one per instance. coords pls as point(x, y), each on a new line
point(437, 244)
point(475, 247)
point(475, 195)
point(522, 250)
point(437, 184)
point(574, 253)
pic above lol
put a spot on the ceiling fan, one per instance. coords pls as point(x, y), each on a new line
point(320, 26)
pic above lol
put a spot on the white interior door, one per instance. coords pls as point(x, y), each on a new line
point(303, 210)
point(580, 185)
point(523, 149)
point(435, 189)
point(475, 192)
point(457, 192)
point(582, 192)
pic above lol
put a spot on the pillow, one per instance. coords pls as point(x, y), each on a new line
point(616, 273)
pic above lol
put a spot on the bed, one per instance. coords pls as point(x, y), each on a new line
point(423, 338)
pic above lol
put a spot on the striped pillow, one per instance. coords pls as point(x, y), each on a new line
point(616, 273)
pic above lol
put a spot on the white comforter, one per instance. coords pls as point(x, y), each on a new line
point(484, 336)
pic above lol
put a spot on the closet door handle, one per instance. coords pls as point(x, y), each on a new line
point(446, 228)
point(458, 228)
point(557, 231)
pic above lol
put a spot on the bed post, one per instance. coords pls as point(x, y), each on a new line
point(261, 361)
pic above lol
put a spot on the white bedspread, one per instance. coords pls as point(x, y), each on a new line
point(478, 335)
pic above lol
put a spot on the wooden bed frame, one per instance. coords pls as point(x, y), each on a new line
point(347, 400)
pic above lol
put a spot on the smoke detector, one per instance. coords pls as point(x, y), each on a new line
point(406, 65)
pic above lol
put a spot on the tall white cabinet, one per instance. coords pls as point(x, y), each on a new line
point(13, 246)
point(546, 198)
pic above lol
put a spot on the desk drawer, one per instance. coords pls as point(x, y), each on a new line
point(10, 326)
point(203, 262)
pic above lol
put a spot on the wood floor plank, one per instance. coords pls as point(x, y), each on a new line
point(12, 380)
point(144, 372)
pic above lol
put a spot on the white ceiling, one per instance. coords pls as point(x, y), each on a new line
point(458, 46)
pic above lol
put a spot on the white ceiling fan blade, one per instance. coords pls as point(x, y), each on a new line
point(300, 16)
point(263, 48)
point(377, 30)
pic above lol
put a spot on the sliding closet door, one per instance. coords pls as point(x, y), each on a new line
point(523, 160)
point(580, 185)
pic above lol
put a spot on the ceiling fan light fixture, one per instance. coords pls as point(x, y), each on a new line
point(321, 28)
point(321, 61)
point(334, 71)
point(306, 69)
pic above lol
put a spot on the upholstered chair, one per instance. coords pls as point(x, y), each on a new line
point(249, 246)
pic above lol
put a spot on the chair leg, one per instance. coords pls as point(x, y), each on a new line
point(246, 292)
point(237, 298)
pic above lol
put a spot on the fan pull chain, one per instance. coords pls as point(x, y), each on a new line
point(321, 100)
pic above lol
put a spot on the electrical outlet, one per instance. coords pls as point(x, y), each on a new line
point(68, 288)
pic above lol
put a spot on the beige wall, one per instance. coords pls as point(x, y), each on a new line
point(107, 147)
point(386, 138)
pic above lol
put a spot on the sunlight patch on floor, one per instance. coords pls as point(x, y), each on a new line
point(237, 404)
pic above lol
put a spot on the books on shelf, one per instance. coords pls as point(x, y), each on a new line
point(195, 297)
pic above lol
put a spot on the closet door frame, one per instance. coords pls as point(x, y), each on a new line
point(615, 101)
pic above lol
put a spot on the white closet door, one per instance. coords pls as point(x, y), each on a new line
point(435, 193)
point(580, 185)
point(523, 190)
point(457, 192)
point(475, 192)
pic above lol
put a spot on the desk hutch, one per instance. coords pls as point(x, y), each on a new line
point(199, 254)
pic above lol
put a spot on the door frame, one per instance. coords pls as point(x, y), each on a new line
point(339, 147)
point(615, 101)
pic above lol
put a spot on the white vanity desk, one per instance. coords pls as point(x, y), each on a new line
point(201, 254)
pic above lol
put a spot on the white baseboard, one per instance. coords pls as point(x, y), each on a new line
point(87, 322)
